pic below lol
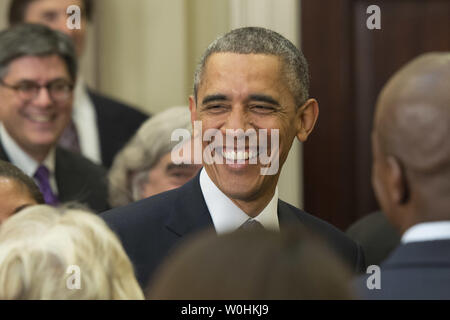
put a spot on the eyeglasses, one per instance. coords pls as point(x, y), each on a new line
point(59, 90)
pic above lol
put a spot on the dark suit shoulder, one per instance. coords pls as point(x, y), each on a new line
point(81, 180)
point(376, 235)
point(416, 270)
point(139, 214)
point(76, 160)
point(318, 225)
point(349, 250)
point(141, 227)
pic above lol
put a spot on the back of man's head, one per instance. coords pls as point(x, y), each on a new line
point(411, 134)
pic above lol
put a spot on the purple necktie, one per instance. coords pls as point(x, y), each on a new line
point(42, 176)
point(69, 138)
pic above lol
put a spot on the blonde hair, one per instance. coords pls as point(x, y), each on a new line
point(40, 244)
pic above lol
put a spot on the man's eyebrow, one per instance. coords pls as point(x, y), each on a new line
point(214, 97)
point(263, 98)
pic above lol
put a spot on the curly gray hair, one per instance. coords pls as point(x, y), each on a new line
point(152, 141)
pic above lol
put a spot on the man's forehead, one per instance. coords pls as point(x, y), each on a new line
point(241, 70)
point(255, 62)
point(32, 66)
point(53, 5)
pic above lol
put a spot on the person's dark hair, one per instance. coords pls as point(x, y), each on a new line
point(255, 265)
point(36, 40)
point(9, 171)
point(17, 9)
point(256, 40)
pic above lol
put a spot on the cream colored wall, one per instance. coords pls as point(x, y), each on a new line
point(3, 10)
point(148, 48)
point(142, 51)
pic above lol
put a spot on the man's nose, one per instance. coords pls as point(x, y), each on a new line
point(237, 119)
point(43, 98)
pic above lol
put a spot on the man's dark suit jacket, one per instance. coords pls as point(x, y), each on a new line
point(149, 229)
point(416, 270)
point(116, 124)
point(376, 235)
point(77, 179)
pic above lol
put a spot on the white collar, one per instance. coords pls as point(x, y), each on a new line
point(84, 117)
point(427, 231)
point(227, 216)
point(21, 159)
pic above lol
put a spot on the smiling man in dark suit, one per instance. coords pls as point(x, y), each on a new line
point(37, 70)
point(249, 79)
point(100, 126)
point(411, 179)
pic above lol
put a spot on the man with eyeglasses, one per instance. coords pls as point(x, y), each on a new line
point(38, 69)
point(93, 131)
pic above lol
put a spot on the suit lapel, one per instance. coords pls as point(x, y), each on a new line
point(3, 155)
point(190, 213)
point(67, 178)
point(286, 216)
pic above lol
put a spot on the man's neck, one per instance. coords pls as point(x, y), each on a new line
point(254, 207)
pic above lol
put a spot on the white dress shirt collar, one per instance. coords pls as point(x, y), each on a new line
point(85, 119)
point(427, 231)
point(23, 161)
point(227, 216)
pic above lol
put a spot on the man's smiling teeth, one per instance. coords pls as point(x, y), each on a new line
point(40, 118)
point(240, 155)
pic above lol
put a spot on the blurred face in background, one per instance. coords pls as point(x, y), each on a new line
point(53, 13)
point(166, 175)
point(13, 198)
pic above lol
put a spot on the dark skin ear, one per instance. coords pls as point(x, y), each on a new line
point(193, 109)
point(306, 119)
point(397, 181)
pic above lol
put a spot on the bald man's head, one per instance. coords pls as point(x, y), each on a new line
point(411, 142)
point(412, 119)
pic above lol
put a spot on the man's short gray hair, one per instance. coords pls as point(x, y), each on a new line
point(130, 168)
point(35, 40)
point(256, 40)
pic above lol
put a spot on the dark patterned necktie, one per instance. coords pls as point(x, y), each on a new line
point(251, 224)
point(69, 138)
point(42, 176)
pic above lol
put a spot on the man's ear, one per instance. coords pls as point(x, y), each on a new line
point(193, 109)
point(306, 118)
point(398, 186)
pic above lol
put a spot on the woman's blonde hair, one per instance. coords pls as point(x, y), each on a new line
point(42, 248)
